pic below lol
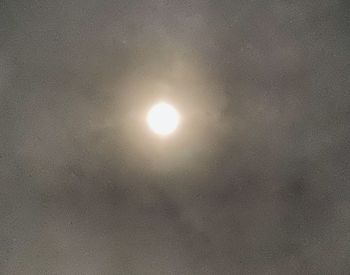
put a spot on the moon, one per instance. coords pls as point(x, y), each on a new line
point(163, 119)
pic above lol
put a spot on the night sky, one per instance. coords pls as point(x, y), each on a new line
point(256, 180)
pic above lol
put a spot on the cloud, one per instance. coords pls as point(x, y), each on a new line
point(254, 181)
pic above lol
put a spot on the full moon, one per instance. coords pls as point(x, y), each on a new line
point(163, 119)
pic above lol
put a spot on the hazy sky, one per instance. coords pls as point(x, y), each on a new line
point(256, 179)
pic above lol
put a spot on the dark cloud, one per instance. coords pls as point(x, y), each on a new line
point(254, 182)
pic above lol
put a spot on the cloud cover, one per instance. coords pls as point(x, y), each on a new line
point(254, 182)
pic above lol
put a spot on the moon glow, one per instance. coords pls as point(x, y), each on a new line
point(163, 119)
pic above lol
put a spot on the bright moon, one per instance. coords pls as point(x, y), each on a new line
point(163, 119)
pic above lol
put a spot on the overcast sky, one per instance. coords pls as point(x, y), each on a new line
point(254, 181)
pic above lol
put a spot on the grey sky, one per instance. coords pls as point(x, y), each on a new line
point(256, 180)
